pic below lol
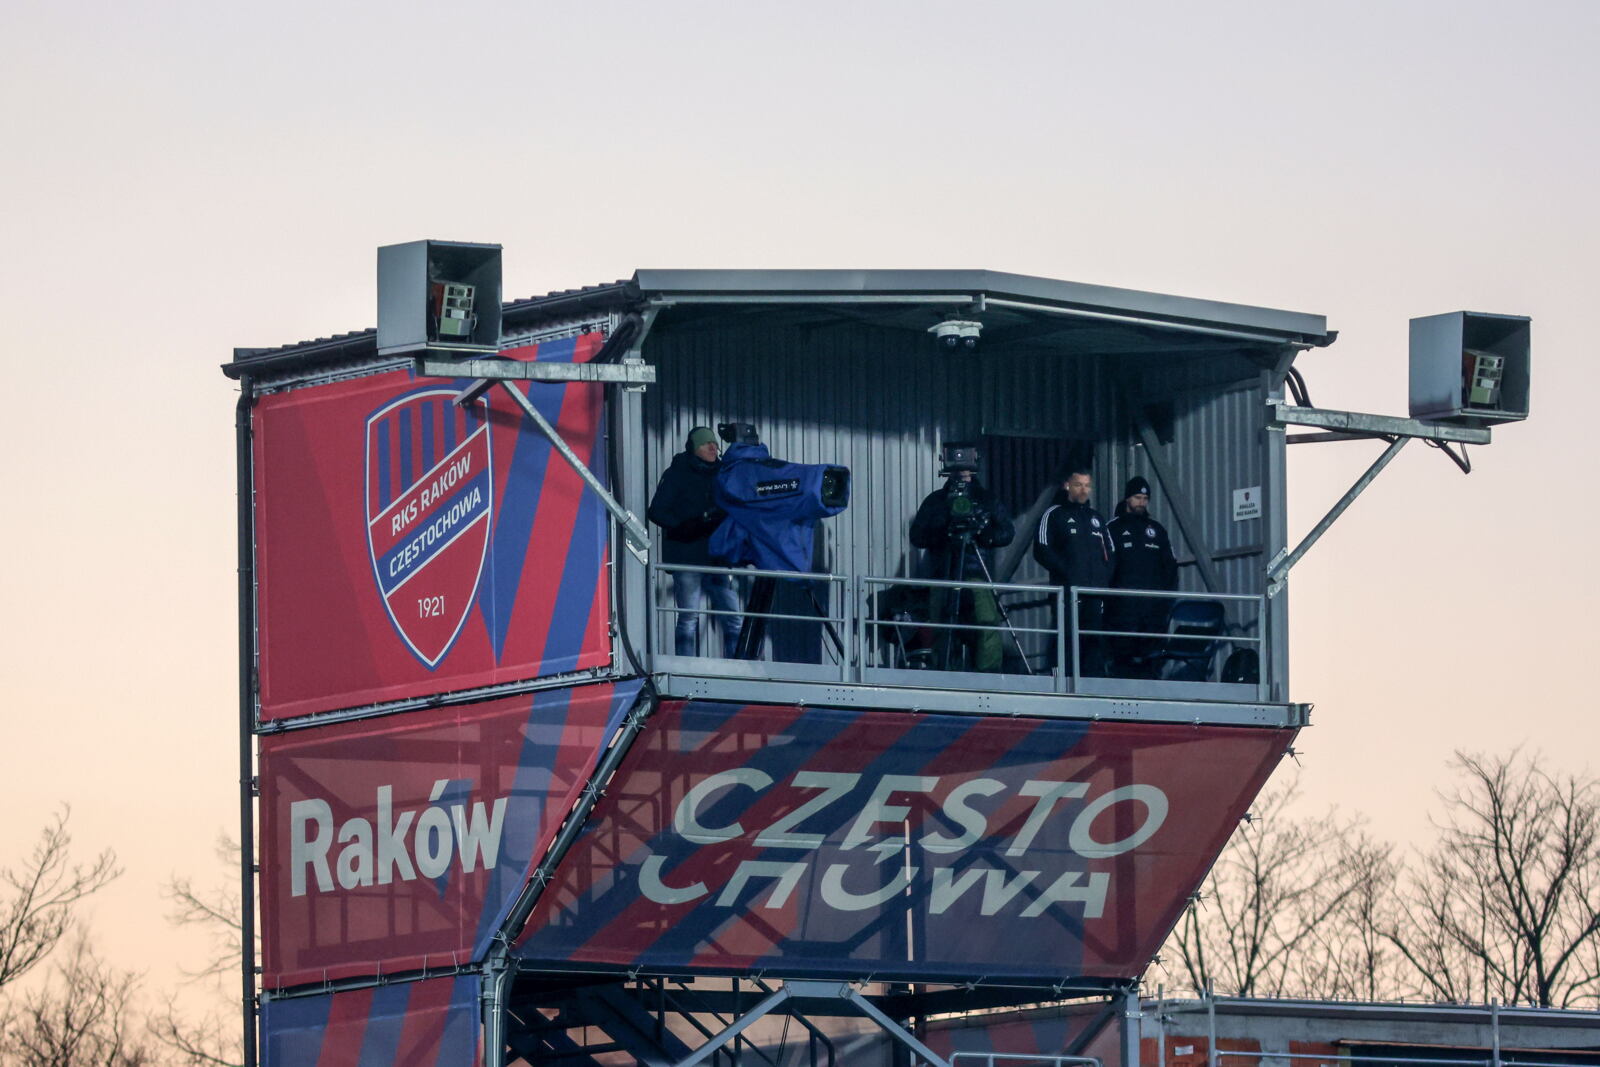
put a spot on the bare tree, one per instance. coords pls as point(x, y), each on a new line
point(1261, 925)
point(215, 1039)
point(1506, 906)
point(37, 910)
point(83, 1015)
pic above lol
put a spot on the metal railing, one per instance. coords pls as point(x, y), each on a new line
point(1408, 1061)
point(853, 622)
point(1000, 1059)
point(869, 622)
point(1156, 638)
point(827, 621)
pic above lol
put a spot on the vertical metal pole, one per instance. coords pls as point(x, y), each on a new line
point(1494, 1024)
point(1161, 1026)
point(631, 481)
point(1131, 1016)
point(1275, 520)
point(1211, 1029)
point(1061, 640)
point(247, 643)
point(1072, 624)
point(497, 976)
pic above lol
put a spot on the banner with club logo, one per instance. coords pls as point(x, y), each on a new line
point(408, 545)
point(845, 843)
point(400, 842)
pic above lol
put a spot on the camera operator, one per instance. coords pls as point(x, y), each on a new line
point(685, 508)
point(958, 525)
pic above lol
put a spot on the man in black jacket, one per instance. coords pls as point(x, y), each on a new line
point(685, 509)
point(959, 526)
point(1073, 547)
point(1143, 560)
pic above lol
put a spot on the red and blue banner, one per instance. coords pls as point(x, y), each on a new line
point(820, 842)
point(433, 1022)
point(408, 545)
point(401, 842)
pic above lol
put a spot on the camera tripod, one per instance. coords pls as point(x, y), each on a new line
point(959, 556)
point(754, 629)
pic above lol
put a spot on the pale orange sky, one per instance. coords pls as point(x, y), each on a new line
point(183, 177)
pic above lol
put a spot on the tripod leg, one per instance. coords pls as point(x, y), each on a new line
point(827, 626)
point(754, 630)
point(1006, 616)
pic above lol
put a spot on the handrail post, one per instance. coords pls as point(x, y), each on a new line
point(1072, 623)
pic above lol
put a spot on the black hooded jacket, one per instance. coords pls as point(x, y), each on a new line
point(1144, 558)
point(685, 509)
point(930, 530)
point(1072, 544)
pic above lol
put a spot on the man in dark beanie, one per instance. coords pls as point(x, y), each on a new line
point(685, 509)
point(1143, 560)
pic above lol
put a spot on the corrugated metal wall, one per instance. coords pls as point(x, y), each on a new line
point(881, 401)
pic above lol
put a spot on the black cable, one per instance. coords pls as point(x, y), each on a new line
point(1297, 387)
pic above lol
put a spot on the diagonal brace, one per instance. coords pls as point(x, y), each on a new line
point(635, 536)
point(852, 995)
point(1278, 570)
point(709, 1049)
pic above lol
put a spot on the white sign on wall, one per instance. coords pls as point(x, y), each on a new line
point(1247, 503)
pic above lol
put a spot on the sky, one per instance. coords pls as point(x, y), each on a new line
point(180, 178)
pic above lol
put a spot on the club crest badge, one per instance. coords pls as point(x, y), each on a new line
point(429, 487)
point(1150, 532)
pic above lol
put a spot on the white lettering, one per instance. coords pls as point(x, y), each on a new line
point(787, 874)
point(949, 887)
point(393, 855)
point(654, 889)
point(478, 835)
point(355, 859)
point(686, 819)
point(395, 846)
point(314, 851)
point(834, 786)
point(878, 808)
point(1065, 889)
point(835, 895)
point(973, 823)
point(1155, 813)
point(1049, 794)
point(434, 843)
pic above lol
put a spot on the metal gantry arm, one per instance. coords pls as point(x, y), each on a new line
point(504, 372)
point(1355, 424)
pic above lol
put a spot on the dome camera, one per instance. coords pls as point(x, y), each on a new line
point(957, 333)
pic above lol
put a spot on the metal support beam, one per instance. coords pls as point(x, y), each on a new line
point(1188, 522)
point(635, 536)
point(852, 995)
point(1279, 570)
point(1131, 1016)
point(709, 1049)
point(1284, 414)
point(500, 370)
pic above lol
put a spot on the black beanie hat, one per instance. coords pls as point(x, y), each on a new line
point(1136, 485)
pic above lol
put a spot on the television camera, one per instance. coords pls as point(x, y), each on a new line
point(773, 508)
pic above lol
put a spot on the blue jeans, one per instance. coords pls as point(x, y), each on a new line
point(718, 588)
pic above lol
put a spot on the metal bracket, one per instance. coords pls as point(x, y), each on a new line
point(1278, 572)
point(1364, 425)
point(635, 537)
point(497, 370)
